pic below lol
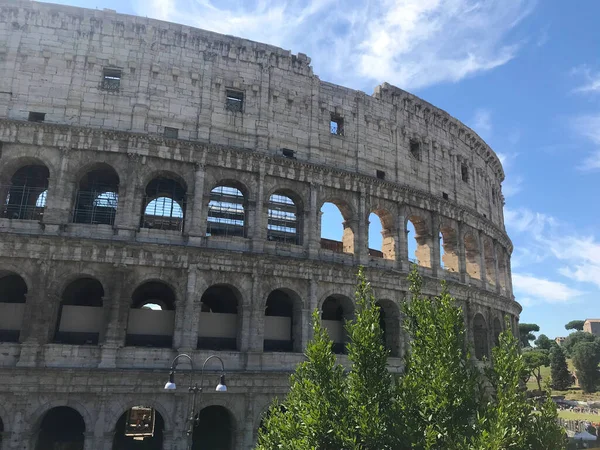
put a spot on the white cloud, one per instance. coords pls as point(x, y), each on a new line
point(512, 186)
point(541, 290)
point(409, 43)
point(524, 220)
point(482, 122)
point(589, 128)
point(591, 83)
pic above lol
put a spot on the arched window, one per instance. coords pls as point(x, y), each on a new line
point(164, 205)
point(152, 316)
point(339, 239)
point(13, 292)
point(336, 310)
point(449, 249)
point(381, 235)
point(389, 321)
point(283, 223)
point(80, 314)
point(215, 430)
point(226, 212)
point(490, 261)
point(472, 256)
point(283, 331)
point(219, 321)
point(420, 243)
point(25, 196)
point(97, 197)
point(480, 336)
point(61, 427)
point(139, 428)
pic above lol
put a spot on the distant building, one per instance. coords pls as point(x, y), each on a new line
point(560, 340)
point(592, 326)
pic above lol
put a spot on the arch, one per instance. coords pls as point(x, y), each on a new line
point(421, 241)
point(283, 322)
point(141, 422)
point(227, 210)
point(497, 327)
point(382, 239)
point(216, 429)
point(335, 311)
point(449, 248)
point(80, 313)
point(147, 326)
point(331, 239)
point(23, 198)
point(219, 325)
point(61, 426)
point(164, 204)
point(490, 261)
point(284, 218)
point(480, 337)
point(97, 196)
point(389, 321)
point(472, 256)
point(13, 294)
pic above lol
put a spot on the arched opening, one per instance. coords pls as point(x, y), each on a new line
point(282, 322)
point(389, 321)
point(152, 316)
point(419, 250)
point(215, 430)
point(164, 205)
point(472, 256)
point(139, 428)
point(97, 197)
point(80, 314)
point(333, 237)
point(13, 293)
point(61, 428)
point(283, 219)
point(336, 310)
point(226, 212)
point(480, 336)
point(381, 235)
point(25, 196)
point(497, 331)
point(449, 249)
point(490, 261)
point(218, 325)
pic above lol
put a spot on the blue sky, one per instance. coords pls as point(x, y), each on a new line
point(524, 74)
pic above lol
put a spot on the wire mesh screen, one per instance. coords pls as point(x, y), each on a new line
point(24, 203)
point(283, 220)
point(226, 213)
point(95, 206)
point(163, 213)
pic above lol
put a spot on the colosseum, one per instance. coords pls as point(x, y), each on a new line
point(162, 192)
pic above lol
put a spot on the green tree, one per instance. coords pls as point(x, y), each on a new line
point(575, 325)
point(440, 392)
point(575, 338)
point(543, 342)
point(511, 421)
point(526, 333)
point(561, 377)
point(534, 361)
point(586, 356)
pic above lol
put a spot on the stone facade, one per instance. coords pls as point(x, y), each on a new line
point(236, 145)
point(592, 326)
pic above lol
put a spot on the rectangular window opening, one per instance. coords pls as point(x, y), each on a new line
point(36, 116)
point(464, 172)
point(415, 149)
point(445, 195)
point(336, 125)
point(171, 133)
point(288, 153)
point(111, 79)
point(381, 174)
point(234, 101)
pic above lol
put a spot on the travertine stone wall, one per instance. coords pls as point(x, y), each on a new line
point(52, 60)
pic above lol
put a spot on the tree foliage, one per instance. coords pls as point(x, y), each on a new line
point(586, 357)
point(561, 377)
point(575, 338)
point(543, 342)
point(575, 325)
point(526, 333)
point(534, 361)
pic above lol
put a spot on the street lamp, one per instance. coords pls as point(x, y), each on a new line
point(194, 388)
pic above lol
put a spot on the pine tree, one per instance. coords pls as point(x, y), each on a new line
point(561, 377)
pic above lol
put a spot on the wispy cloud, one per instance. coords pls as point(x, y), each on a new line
point(512, 185)
point(409, 43)
point(482, 122)
point(589, 128)
point(541, 290)
point(591, 80)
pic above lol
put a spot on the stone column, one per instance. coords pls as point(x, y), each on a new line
point(312, 230)
point(496, 270)
point(126, 218)
point(482, 256)
point(195, 227)
point(260, 226)
point(117, 315)
point(313, 303)
point(188, 330)
point(462, 255)
point(59, 201)
point(402, 255)
point(256, 312)
point(362, 251)
point(435, 240)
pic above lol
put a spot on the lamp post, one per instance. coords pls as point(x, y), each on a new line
point(193, 387)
